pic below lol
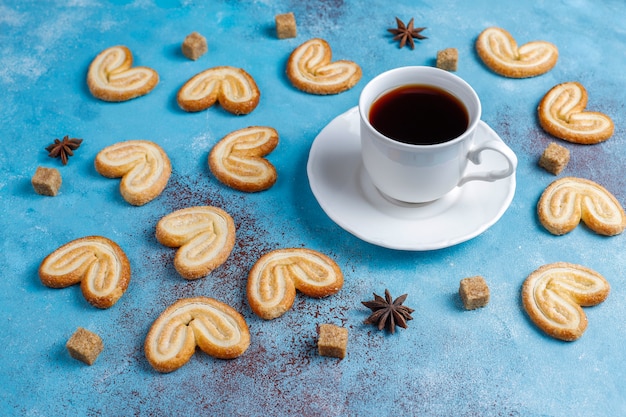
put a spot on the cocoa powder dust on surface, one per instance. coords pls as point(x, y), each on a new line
point(280, 350)
point(227, 282)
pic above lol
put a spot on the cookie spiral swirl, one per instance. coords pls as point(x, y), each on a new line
point(215, 327)
point(237, 159)
point(97, 263)
point(553, 295)
point(567, 201)
point(234, 89)
point(310, 68)
point(143, 165)
point(499, 51)
point(275, 277)
point(561, 113)
point(112, 77)
point(205, 237)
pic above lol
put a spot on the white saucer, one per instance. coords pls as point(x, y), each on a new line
point(344, 191)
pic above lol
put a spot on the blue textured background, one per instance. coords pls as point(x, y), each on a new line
point(449, 362)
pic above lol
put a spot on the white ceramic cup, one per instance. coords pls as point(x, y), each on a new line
point(423, 173)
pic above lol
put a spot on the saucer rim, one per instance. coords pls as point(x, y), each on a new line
point(503, 203)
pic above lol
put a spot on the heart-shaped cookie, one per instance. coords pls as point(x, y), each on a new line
point(237, 159)
point(310, 69)
point(499, 51)
point(567, 201)
point(232, 87)
point(216, 328)
point(98, 263)
point(553, 295)
point(112, 77)
point(275, 277)
point(143, 165)
point(205, 236)
point(562, 114)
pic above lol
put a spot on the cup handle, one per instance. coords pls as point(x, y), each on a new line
point(474, 156)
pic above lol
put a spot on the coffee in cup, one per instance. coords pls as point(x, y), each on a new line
point(417, 134)
point(419, 114)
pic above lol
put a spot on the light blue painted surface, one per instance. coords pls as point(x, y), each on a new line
point(449, 362)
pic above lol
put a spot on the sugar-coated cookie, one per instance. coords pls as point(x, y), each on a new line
point(143, 165)
point(553, 295)
point(205, 237)
point(567, 201)
point(234, 89)
point(275, 277)
point(237, 159)
point(562, 114)
point(97, 263)
point(216, 328)
point(310, 68)
point(499, 51)
point(112, 77)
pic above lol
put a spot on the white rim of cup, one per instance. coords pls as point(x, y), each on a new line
point(439, 72)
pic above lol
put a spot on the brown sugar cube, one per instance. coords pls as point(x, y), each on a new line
point(84, 346)
point(286, 25)
point(447, 59)
point(554, 158)
point(474, 292)
point(194, 46)
point(332, 341)
point(46, 181)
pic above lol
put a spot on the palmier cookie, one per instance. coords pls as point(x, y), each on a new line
point(562, 114)
point(112, 77)
point(553, 295)
point(144, 167)
point(310, 69)
point(237, 159)
point(275, 277)
point(232, 87)
point(98, 263)
point(498, 50)
point(205, 237)
point(568, 200)
point(216, 328)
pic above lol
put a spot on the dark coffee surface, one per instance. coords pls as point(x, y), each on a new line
point(419, 115)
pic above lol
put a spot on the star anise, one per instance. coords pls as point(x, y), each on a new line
point(63, 148)
point(388, 313)
point(406, 33)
